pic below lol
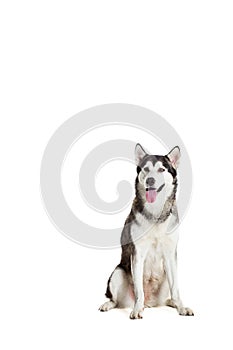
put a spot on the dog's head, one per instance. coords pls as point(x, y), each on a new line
point(157, 175)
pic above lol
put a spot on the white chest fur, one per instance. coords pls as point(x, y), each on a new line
point(143, 229)
point(153, 243)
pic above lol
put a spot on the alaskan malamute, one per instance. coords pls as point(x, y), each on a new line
point(147, 273)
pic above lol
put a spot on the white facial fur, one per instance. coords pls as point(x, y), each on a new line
point(160, 177)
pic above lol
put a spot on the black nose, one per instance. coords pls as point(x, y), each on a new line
point(150, 181)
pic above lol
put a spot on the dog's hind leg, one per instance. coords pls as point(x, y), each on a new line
point(118, 291)
point(108, 306)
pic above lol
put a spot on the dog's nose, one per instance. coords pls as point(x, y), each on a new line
point(150, 181)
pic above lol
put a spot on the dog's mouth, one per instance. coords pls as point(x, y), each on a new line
point(151, 193)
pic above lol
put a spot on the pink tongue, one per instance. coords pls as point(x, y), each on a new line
point(151, 196)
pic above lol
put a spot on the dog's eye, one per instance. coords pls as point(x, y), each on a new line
point(161, 170)
point(146, 169)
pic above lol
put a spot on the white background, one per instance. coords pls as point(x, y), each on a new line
point(58, 58)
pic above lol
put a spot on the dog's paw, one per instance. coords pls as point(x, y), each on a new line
point(107, 306)
point(170, 303)
point(136, 314)
point(185, 311)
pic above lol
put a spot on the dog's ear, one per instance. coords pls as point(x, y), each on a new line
point(140, 153)
point(174, 156)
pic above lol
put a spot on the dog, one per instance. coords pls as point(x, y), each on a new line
point(147, 273)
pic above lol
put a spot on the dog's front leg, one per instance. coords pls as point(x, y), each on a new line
point(137, 263)
point(171, 272)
